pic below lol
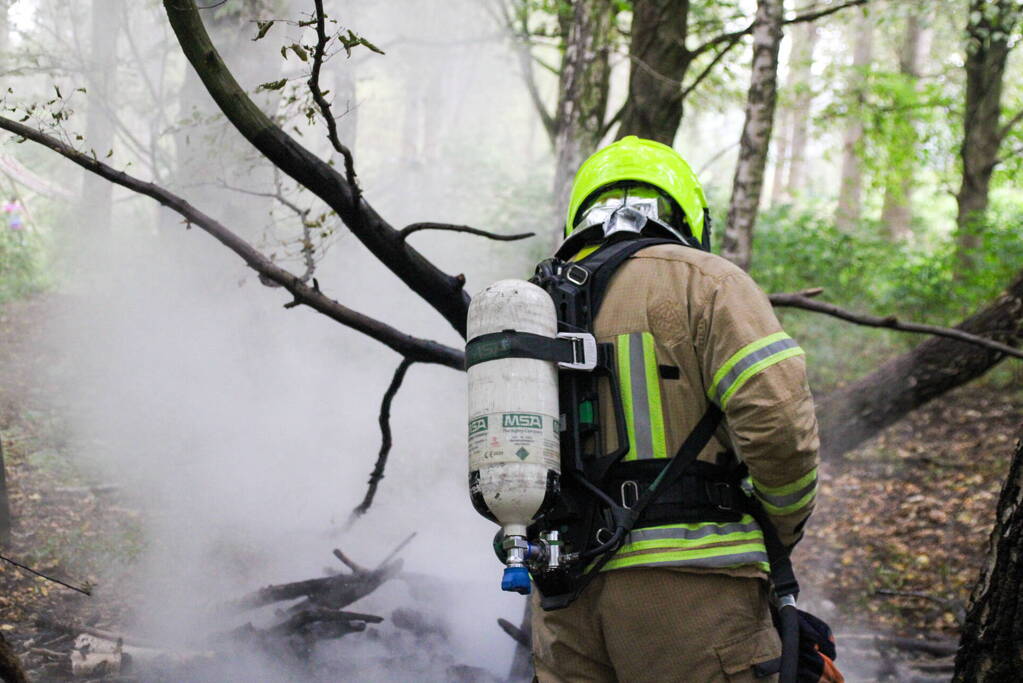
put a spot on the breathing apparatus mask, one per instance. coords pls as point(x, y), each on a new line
point(638, 209)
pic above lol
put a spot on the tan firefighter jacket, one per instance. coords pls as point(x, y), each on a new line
point(690, 327)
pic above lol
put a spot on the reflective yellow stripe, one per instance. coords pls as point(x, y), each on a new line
point(747, 362)
point(786, 489)
point(653, 389)
point(704, 544)
point(681, 544)
point(641, 396)
point(788, 498)
point(793, 507)
point(625, 384)
point(714, 557)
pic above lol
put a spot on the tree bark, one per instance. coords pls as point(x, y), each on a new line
point(989, 29)
point(850, 193)
point(896, 213)
point(660, 61)
point(804, 41)
point(991, 647)
point(5, 504)
point(582, 87)
point(11, 670)
point(97, 194)
point(4, 32)
point(854, 413)
point(756, 134)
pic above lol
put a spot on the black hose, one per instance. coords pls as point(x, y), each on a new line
point(789, 618)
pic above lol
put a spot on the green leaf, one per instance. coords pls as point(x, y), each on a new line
point(272, 85)
point(299, 52)
point(264, 27)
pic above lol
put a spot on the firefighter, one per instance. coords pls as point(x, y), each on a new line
point(686, 597)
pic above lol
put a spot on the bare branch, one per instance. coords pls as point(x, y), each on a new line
point(321, 101)
point(420, 350)
point(348, 562)
point(443, 292)
point(83, 591)
point(515, 632)
point(1010, 124)
point(416, 227)
point(397, 549)
point(798, 19)
point(385, 442)
point(523, 50)
point(710, 67)
point(802, 300)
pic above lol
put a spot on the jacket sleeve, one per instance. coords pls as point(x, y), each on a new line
point(757, 375)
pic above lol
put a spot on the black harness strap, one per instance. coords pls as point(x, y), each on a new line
point(626, 518)
point(514, 344)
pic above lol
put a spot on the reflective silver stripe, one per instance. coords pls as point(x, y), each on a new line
point(642, 437)
point(719, 561)
point(682, 533)
point(751, 359)
point(787, 499)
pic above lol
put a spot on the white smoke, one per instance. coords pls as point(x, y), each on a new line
point(245, 432)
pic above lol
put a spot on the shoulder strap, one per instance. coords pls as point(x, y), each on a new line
point(603, 263)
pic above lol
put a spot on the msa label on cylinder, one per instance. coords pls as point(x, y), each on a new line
point(514, 437)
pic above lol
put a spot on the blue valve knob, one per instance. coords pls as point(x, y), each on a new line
point(516, 579)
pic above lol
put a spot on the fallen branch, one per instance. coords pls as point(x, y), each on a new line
point(420, 350)
point(83, 590)
point(802, 300)
point(416, 227)
point(515, 632)
point(334, 592)
point(385, 442)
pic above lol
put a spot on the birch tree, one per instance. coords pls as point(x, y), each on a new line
point(756, 134)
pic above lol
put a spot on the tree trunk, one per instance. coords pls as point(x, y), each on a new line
point(659, 61)
point(756, 134)
point(854, 413)
point(991, 647)
point(896, 213)
point(4, 31)
point(97, 193)
point(989, 30)
point(583, 87)
point(5, 505)
point(850, 193)
point(804, 40)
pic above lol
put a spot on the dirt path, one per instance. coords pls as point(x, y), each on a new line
point(65, 524)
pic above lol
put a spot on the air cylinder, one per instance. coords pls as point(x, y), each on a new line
point(514, 447)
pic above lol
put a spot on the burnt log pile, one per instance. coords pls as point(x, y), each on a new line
point(298, 637)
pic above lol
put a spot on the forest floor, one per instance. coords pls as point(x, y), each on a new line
point(910, 512)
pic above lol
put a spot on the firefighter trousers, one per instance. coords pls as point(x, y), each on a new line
point(648, 624)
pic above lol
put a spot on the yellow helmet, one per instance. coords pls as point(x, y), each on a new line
point(633, 160)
